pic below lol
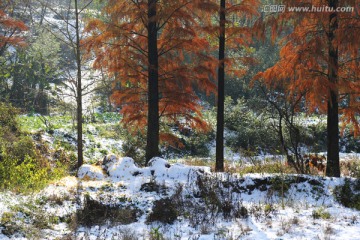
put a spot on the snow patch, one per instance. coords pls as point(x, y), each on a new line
point(90, 172)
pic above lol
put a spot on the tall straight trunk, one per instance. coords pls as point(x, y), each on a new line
point(152, 139)
point(17, 94)
point(78, 89)
point(333, 162)
point(219, 166)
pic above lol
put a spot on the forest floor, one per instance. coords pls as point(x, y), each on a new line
point(118, 200)
point(114, 198)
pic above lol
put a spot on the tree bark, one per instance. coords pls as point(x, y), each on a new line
point(333, 161)
point(152, 139)
point(219, 166)
point(78, 90)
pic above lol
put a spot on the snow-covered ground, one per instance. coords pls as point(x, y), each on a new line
point(195, 203)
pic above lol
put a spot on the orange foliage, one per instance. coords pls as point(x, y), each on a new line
point(240, 23)
point(303, 68)
point(119, 42)
point(10, 29)
point(315, 162)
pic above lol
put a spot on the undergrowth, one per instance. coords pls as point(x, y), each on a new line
point(24, 163)
point(348, 194)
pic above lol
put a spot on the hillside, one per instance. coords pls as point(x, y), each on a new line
point(118, 200)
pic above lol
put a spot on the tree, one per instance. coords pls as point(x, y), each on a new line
point(221, 93)
point(152, 139)
point(70, 33)
point(234, 35)
point(27, 69)
point(79, 91)
point(10, 29)
point(155, 55)
point(320, 59)
point(11, 34)
point(31, 69)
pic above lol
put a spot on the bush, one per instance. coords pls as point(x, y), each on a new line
point(19, 149)
point(350, 168)
point(348, 194)
point(134, 146)
point(197, 144)
point(267, 167)
point(97, 213)
point(31, 174)
point(248, 130)
point(164, 210)
point(23, 166)
point(8, 118)
point(321, 213)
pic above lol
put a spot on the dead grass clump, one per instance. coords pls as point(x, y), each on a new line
point(97, 213)
point(350, 168)
point(164, 210)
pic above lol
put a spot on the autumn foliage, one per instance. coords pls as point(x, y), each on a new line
point(240, 19)
point(319, 61)
point(119, 42)
point(10, 29)
point(233, 30)
point(303, 68)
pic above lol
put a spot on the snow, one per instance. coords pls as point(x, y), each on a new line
point(121, 182)
point(90, 172)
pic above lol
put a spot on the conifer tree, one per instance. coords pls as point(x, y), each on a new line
point(154, 53)
point(320, 59)
point(234, 33)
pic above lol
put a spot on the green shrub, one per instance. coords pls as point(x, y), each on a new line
point(348, 194)
point(133, 146)
point(30, 175)
point(248, 129)
point(321, 213)
point(155, 234)
point(8, 222)
point(23, 166)
point(8, 116)
point(24, 146)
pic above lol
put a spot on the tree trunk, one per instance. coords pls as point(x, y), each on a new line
point(152, 139)
point(78, 89)
point(333, 162)
point(17, 93)
point(41, 98)
point(219, 167)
